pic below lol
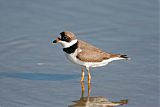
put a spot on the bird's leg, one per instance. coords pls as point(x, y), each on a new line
point(83, 89)
point(89, 75)
point(82, 75)
point(89, 89)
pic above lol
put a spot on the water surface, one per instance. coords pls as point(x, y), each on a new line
point(34, 73)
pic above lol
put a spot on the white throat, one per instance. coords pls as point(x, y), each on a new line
point(68, 44)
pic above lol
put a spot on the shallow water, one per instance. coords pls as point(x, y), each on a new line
point(35, 73)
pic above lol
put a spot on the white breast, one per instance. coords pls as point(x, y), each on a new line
point(72, 58)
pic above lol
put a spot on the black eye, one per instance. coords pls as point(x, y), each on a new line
point(64, 38)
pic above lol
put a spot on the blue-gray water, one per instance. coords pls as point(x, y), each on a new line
point(34, 73)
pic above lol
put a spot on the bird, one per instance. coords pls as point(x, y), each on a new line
point(85, 54)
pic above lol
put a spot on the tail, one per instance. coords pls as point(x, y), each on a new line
point(118, 57)
point(124, 56)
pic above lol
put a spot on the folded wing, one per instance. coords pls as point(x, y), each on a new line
point(90, 53)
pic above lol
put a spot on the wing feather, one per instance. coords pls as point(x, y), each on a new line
point(91, 53)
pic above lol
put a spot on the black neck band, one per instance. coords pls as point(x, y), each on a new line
point(71, 49)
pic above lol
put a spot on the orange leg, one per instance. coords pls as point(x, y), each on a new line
point(89, 89)
point(83, 88)
point(82, 75)
point(89, 75)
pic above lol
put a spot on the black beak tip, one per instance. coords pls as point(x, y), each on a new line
point(54, 41)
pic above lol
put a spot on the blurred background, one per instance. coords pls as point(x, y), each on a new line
point(35, 73)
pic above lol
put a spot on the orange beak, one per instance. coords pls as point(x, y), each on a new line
point(57, 40)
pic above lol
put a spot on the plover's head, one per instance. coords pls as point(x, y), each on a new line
point(66, 39)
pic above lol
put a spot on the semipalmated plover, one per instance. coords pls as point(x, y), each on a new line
point(85, 54)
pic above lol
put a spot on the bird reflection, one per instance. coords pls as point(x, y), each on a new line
point(95, 101)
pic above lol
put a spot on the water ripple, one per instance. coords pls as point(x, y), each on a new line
point(38, 76)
